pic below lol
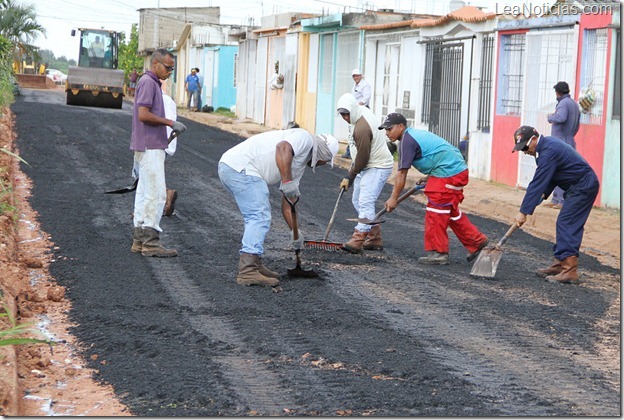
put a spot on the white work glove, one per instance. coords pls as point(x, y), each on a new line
point(296, 243)
point(290, 190)
point(178, 127)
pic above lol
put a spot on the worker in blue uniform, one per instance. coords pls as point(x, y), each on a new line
point(558, 164)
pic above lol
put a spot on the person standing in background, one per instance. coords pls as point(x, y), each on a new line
point(201, 86)
point(192, 86)
point(361, 88)
point(565, 124)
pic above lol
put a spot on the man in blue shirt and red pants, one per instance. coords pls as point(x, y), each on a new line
point(447, 175)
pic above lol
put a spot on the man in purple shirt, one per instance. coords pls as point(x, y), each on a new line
point(149, 141)
point(565, 125)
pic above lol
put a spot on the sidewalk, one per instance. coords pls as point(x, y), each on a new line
point(602, 237)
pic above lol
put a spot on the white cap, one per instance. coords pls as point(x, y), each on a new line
point(355, 71)
point(332, 144)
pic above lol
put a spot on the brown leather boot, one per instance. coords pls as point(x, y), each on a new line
point(268, 273)
point(554, 269)
point(569, 274)
point(356, 242)
point(152, 246)
point(249, 272)
point(373, 241)
point(137, 240)
point(172, 196)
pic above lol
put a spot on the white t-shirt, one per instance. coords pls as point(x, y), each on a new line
point(256, 155)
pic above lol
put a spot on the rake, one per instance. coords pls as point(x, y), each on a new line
point(325, 244)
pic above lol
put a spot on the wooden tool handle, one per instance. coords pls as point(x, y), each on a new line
point(333, 216)
point(401, 198)
point(507, 235)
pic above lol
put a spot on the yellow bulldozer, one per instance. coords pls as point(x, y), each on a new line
point(96, 81)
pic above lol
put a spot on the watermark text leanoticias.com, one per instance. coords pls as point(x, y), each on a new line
point(573, 8)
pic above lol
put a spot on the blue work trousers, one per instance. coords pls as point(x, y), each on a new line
point(579, 200)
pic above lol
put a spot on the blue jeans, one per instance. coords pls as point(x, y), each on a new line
point(252, 197)
point(366, 189)
point(193, 94)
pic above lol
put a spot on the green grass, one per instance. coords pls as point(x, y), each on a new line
point(225, 112)
point(13, 335)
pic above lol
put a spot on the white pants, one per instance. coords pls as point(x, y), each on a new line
point(151, 192)
point(366, 189)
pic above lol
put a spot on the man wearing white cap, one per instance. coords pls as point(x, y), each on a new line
point(361, 88)
point(247, 170)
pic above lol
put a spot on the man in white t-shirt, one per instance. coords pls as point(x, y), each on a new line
point(249, 168)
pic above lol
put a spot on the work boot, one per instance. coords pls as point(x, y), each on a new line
point(554, 269)
point(249, 272)
point(356, 242)
point(137, 240)
point(569, 274)
point(152, 246)
point(434, 258)
point(472, 255)
point(172, 196)
point(373, 241)
point(268, 273)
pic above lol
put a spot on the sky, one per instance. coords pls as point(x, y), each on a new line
point(59, 17)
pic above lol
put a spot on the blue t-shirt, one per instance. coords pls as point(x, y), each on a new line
point(192, 82)
point(430, 154)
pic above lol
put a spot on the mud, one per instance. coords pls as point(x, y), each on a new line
point(376, 334)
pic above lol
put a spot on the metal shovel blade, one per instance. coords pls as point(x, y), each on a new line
point(300, 272)
point(489, 257)
point(487, 262)
point(366, 221)
point(125, 189)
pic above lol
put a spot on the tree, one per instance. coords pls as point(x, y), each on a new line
point(128, 58)
point(18, 24)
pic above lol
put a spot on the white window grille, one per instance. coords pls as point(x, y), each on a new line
point(594, 71)
point(511, 74)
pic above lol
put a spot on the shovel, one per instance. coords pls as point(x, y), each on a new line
point(133, 187)
point(325, 244)
point(298, 271)
point(489, 257)
point(125, 189)
point(376, 221)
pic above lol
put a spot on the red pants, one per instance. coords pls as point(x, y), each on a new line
point(442, 211)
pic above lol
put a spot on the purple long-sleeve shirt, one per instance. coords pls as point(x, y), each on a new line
point(565, 120)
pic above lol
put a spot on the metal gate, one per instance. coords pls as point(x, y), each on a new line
point(443, 90)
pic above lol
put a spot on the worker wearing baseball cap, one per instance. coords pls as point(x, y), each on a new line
point(447, 175)
point(558, 164)
point(361, 88)
point(565, 124)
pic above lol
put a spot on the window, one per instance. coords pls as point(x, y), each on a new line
point(594, 71)
point(485, 83)
point(511, 76)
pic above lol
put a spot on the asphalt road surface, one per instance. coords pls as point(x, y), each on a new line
point(377, 334)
